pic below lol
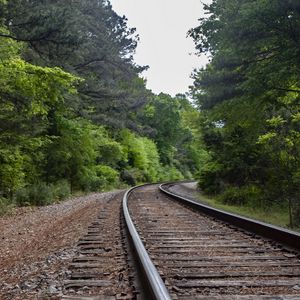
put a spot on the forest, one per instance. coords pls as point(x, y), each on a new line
point(249, 97)
point(75, 113)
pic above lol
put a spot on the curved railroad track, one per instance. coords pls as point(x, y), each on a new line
point(183, 252)
point(200, 257)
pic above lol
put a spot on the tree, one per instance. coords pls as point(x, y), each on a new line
point(162, 114)
point(89, 40)
point(254, 51)
point(27, 94)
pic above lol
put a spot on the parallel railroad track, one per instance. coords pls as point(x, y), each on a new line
point(184, 253)
point(101, 269)
point(199, 257)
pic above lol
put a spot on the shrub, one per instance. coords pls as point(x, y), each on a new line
point(94, 184)
point(61, 190)
point(107, 175)
point(21, 197)
point(39, 194)
point(210, 178)
point(247, 195)
point(142, 155)
point(88, 180)
point(128, 177)
point(11, 170)
point(170, 173)
point(110, 152)
point(133, 176)
point(99, 178)
point(5, 206)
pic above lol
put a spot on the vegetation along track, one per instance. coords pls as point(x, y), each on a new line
point(200, 257)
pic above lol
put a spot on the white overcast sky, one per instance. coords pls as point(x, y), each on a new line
point(162, 26)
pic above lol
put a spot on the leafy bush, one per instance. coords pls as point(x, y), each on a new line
point(21, 197)
point(246, 195)
point(107, 175)
point(73, 152)
point(99, 178)
point(128, 177)
point(170, 173)
point(110, 152)
point(152, 169)
point(210, 178)
point(134, 150)
point(39, 194)
point(61, 190)
point(133, 176)
point(11, 169)
point(142, 158)
point(88, 180)
point(5, 206)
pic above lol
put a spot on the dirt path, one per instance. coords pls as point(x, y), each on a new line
point(36, 243)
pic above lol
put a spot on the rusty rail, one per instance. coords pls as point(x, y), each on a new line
point(155, 282)
point(275, 233)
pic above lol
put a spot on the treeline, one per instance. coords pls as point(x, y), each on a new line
point(74, 112)
point(249, 95)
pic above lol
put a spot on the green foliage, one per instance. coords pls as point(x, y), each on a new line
point(110, 152)
point(152, 167)
point(66, 71)
point(88, 39)
point(130, 176)
point(5, 206)
point(108, 177)
point(27, 94)
point(39, 194)
point(61, 190)
point(38, 87)
point(249, 95)
point(172, 123)
point(141, 154)
point(210, 178)
point(249, 195)
point(73, 150)
point(134, 149)
point(170, 173)
point(12, 175)
point(163, 116)
point(9, 49)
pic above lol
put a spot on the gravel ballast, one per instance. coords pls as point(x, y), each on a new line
point(37, 244)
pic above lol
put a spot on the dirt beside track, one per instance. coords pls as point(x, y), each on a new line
point(38, 244)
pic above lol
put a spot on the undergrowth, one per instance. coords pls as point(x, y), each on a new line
point(273, 215)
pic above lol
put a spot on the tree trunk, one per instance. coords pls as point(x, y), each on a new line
point(291, 213)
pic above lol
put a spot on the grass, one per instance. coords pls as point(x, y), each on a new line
point(274, 215)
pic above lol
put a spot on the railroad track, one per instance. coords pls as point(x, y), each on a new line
point(185, 254)
point(101, 269)
point(199, 257)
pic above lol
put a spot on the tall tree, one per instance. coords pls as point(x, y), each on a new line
point(28, 92)
point(251, 81)
point(90, 40)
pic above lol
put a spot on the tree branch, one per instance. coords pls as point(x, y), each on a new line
point(96, 94)
point(79, 66)
point(36, 39)
point(286, 90)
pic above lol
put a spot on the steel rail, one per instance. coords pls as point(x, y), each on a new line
point(275, 233)
point(155, 282)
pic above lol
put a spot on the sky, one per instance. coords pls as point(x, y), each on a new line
point(162, 26)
